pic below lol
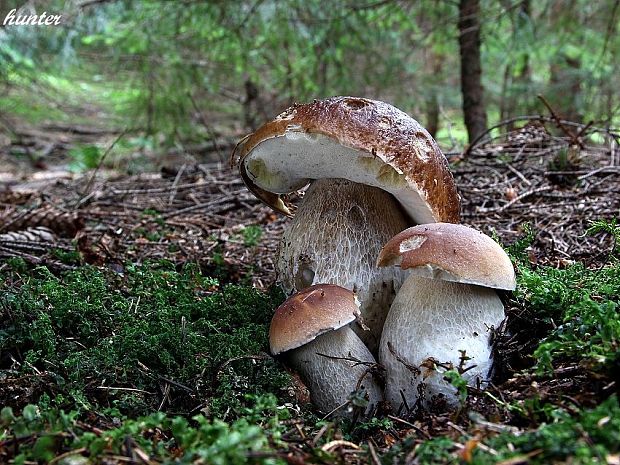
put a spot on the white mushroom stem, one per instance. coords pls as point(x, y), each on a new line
point(333, 366)
point(434, 320)
point(335, 238)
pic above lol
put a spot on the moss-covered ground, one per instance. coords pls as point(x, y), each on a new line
point(157, 363)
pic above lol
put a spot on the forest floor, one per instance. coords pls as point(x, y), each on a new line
point(104, 272)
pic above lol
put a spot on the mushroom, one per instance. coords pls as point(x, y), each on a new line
point(445, 312)
point(372, 170)
point(312, 328)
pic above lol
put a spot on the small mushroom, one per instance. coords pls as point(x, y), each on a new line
point(373, 171)
point(335, 238)
point(312, 329)
point(444, 313)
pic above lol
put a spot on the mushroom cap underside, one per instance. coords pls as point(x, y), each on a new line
point(450, 252)
point(309, 313)
point(365, 141)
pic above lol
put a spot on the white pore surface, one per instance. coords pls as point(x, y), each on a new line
point(335, 238)
point(330, 380)
point(434, 318)
point(288, 163)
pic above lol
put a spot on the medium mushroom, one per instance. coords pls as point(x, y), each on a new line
point(372, 170)
point(312, 329)
point(444, 313)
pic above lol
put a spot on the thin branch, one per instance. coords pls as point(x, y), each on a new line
point(574, 139)
point(101, 160)
point(207, 127)
point(413, 369)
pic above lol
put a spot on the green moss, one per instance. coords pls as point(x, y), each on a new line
point(582, 306)
point(38, 435)
point(251, 235)
point(579, 306)
point(587, 438)
point(97, 330)
point(123, 345)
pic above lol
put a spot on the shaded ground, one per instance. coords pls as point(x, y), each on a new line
point(201, 213)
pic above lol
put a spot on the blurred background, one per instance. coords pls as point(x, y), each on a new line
point(137, 271)
point(191, 77)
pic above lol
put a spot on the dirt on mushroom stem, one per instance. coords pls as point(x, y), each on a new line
point(332, 366)
point(445, 309)
point(432, 319)
point(312, 329)
point(335, 237)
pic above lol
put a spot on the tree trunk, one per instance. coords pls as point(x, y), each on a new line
point(565, 88)
point(506, 102)
point(250, 104)
point(523, 79)
point(517, 75)
point(434, 63)
point(471, 70)
point(432, 114)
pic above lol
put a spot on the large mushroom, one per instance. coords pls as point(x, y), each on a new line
point(312, 329)
point(444, 313)
point(372, 170)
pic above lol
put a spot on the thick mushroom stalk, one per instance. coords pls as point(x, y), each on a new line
point(372, 169)
point(333, 366)
point(437, 322)
point(335, 237)
point(312, 328)
point(445, 312)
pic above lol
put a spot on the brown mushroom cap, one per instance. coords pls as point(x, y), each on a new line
point(308, 314)
point(365, 141)
point(451, 252)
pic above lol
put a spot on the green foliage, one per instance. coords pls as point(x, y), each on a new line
point(252, 235)
point(366, 428)
point(588, 438)
point(583, 305)
point(590, 331)
point(155, 324)
point(159, 436)
point(84, 158)
point(610, 227)
point(96, 328)
point(436, 451)
point(153, 63)
point(456, 379)
point(17, 104)
point(67, 256)
point(518, 250)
